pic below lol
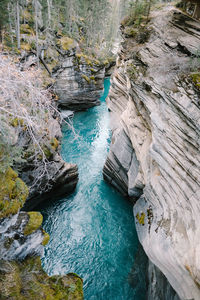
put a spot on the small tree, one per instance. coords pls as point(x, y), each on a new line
point(3, 16)
point(18, 24)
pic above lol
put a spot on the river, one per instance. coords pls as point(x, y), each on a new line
point(92, 231)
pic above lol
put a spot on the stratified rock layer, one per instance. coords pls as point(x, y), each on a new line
point(155, 116)
point(158, 286)
point(60, 180)
point(78, 81)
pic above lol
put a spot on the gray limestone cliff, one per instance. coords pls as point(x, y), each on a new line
point(154, 154)
point(78, 80)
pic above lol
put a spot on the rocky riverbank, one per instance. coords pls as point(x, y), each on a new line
point(22, 241)
point(30, 143)
point(154, 153)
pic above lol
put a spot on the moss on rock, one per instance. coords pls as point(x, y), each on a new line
point(66, 43)
point(54, 144)
point(13, 193)
point(27, 280)
point(17, 122)
point(141, 218)
point(86, 78)
point(196, 79)
point(46, 238)
point(34, 222)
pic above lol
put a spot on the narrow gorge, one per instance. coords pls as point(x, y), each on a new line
point(99, 152)
point(89, 234)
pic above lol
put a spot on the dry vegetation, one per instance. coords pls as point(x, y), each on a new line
point(28, 125)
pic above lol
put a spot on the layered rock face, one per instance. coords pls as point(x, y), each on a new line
point(158, 286)
point(79, 81)
point(155, 117)
point(60, 179)
point(46, 179)
point(22, 241)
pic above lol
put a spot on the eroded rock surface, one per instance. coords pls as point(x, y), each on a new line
point(155, 116)
point(46, 179)
point(78, 81)
point(158, 287)
point(60, 179)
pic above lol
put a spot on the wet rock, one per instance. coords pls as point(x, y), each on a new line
point(15, 242)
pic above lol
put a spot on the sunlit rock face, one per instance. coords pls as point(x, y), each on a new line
point(78, 81)
point(155, 119)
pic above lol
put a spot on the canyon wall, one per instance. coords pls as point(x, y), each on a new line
point(154, 154)
point(78, 80)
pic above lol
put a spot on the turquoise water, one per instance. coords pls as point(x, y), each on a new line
point(92, 231)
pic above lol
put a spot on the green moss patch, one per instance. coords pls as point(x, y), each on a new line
point(35, 222)
point(26, 29)
point(141, 218)
point(47, 151)
point(86, 78)
point(27, 16)
point(66, 43)
point(130, 31)
point(196, 79)
point(46, 238)
point(90, 61)
point(54, 144)
point(13, 193)
point(25, 46)
point(132, 71)
point(17, 122)
point(27, 280)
